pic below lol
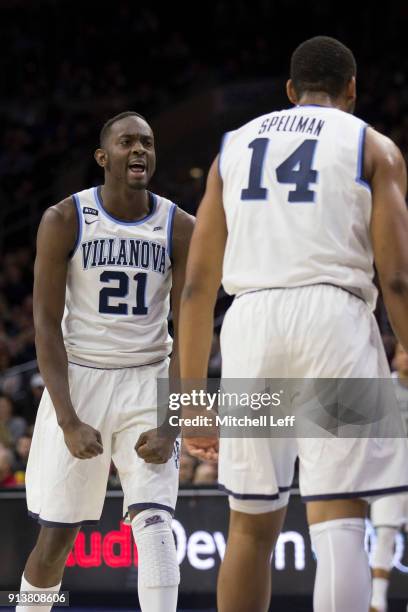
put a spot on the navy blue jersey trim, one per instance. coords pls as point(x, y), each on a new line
point(253, 495)
point(360, 161)
point(99, 202)
point(312, 105)
point(148, 505)
point(142, 365)
point(79, 226)
point(369, 493)
point(45, 523)
point(170, 225)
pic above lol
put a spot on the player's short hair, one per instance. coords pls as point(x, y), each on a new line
point(323, 64)
point(106, 127)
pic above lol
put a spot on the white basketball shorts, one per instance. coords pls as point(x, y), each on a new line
point(121, 404)
point(318, 331)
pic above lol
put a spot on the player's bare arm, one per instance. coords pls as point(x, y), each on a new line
point(157, 446)
point(203, 279)
point(55, 240)
point(386, 172)
point(182, 233)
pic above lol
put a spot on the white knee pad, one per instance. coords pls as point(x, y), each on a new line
point(384, 548)
point(343, 580)
point(158, 565)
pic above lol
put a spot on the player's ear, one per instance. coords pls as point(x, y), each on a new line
point(290, 92)
point(101, 157)
point(351, 89)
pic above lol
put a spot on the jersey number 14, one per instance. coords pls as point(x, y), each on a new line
point(295, 170)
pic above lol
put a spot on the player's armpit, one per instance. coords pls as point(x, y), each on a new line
point(55, 240)
point(389, 227)
point(203, 279)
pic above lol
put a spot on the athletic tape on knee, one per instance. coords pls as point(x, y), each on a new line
point(158, 565)
point(384, 548)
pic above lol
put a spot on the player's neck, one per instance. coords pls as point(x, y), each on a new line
point(124, 203)
point(318, 99)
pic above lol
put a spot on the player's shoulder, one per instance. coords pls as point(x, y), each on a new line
point(67, 209)
point(174, 208)
point(248, 125)
point(381, 150)
point(59, 227)
point(162, 203)
point(183, 220)
point(380, 142)
point(234, 136)
point(61, 213)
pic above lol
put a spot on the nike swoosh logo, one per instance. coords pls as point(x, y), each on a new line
point(90, 222)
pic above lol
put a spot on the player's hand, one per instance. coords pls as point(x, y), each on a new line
point(155, 446)
point(83, 441)
point(201, 441)
point(204, 448)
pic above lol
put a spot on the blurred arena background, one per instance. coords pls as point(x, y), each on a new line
point(194, 72)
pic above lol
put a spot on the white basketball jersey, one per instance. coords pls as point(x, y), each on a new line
point(119, 279)
point(297, 207)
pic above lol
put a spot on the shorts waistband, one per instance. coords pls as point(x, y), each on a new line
point(93, 367)
point(347, 290)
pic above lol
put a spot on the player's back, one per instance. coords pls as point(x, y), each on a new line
point(297, 207)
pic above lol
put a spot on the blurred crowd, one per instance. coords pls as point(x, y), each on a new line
point(16, 308)
point(64, 71)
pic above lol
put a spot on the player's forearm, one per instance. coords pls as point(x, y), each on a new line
point(395, 296)
point(53, 364)
point(196, 331)
point(174, 366)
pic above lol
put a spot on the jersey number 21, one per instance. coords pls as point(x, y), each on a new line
point(121, 290)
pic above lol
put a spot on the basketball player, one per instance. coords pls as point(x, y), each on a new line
point(298, 204)
point(107, 260)
point(389, 514)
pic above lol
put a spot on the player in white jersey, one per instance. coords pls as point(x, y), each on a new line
point(298, 205)
point(389, 514)
point(108, 261)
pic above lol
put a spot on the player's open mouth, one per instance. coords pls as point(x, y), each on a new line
point(137, 168)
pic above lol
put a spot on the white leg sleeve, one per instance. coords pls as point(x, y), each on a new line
point(343, 580)
point(379, 596)
point(384, 548)
point(159, 574)
point(26, 586)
